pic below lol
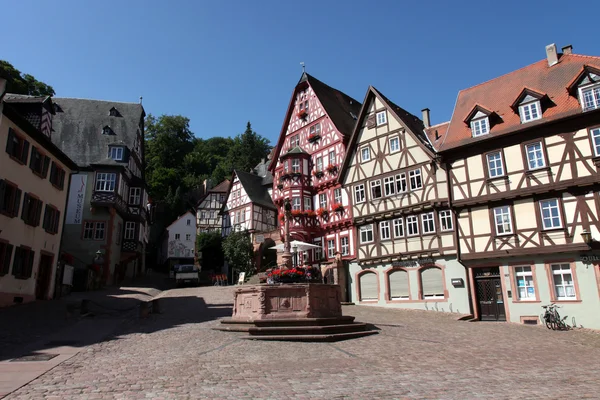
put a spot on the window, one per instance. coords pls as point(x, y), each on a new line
point(32, 210)
point(596, 141)
point(381, 118)
point(401, 183)
point(315, 129)
point(535, 156)
point(530, 111)
point(495, 167)
point(105, 182)
point(57, 176)
point(345, 245)
point(446, 220)
point(17, 147)
point(23, 262)
point(480, 127)
point(412, 225)
point(130, 231)
point(10, 199)
point(295, 141)
point(590, 97)
point(286, 166)
point(88, 230)
point(398, 281)
point(359, 193)
point(135, 194)
point(114, 112)
point(384, 230)
point(550, 214)
point(212, 215)
point(332, 158)
point(428, 223)
point(388, 185)
point(337, 196)
point(366, 233)
point(525, 287)
point(93, 230)
point(318, 250)
point(51, 219)
point(188, 237)
point(189, 222)
point(222, 198)
point(369, 287)
point(432, 283)
point(296, 204)
point(319, 164)
point(307, 204)
point(394, 144)
point(107, 131)
point(415, 179)
point(398, 227)
point(376, 189)
point(202, 214)
point(115, 153)
point(5, 256)
point(177, 236)
point(39, 163)
point(365, 154)
point(99, 232)
point(295, 166)
point(564, 288)
point(322, 200)
point(330, 248)
point(503, 220)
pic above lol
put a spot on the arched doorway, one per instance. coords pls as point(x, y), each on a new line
point(267, 258)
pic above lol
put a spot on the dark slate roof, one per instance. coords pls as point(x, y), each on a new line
point(78, 127)
point(262, 170)
point(296, 150)
point(30, 107)
point(23, 98)
point(256, 190)
point(341, 108)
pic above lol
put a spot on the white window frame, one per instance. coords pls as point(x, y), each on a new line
point(428, 223)
point(116, 153)
point(296, 166)
point(330, 248)
point(394, 144)
point(595, 98)
point(398, 224)
point(381, 118)
point(504, 213)
point(530, 111)
point(189, 222)
point(553, 207)
point(376, 184)
point(446, 221)
point(307, 203)
point(562, 272)
point(322, 200)
point(535, 155)
point(188, 237)
point(366, 233)
point(359, 193)
point(177, 236)
point(480, 126)
point(318, 250)
point(319, 163)
point(524, 271)
point(130, 231)
point(416, 179)
point(296, 203)
point(135, 195)
point(345, 245)
point(412, 224)
point(331, 157)
point(295, 140)
point(100, 231)
point(105, 181)
point(595, 133)
point(384, 230)
point(365, 154)
point(337, 196)
point(498, 164)
point(401, 180)
point(389, 186)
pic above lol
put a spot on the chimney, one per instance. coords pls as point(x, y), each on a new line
point(568, 49)
point(551, 54)
point(426, 120)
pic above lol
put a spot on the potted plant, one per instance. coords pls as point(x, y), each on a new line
point(338, 207)
point(296, 213)
point(311, 213)
point(331, 168)
point(302, 114)
point(318, 174)
point(323, 213)
point(313, 137)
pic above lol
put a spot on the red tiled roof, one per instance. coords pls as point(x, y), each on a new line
point(441, 130)
point(221, 187)
point(499, 94)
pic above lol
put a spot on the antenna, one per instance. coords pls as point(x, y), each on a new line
point(303, 67)
point(141, 99)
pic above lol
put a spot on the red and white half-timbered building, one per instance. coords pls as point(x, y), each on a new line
point(523, 157)
point(305, 167)
point(407, 250)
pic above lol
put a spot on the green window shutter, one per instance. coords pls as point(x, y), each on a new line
point(25, 212)
point(25, 153)
point(368, 287)
point(10, 142)
point(431, 281)
point(399, 285)
point(5, 262)
point(17, 203)
point(46, 166)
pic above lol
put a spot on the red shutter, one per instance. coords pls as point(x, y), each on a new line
point(2, 191)
point(25, 153)
point(38, 212)
point(61, 179)
point(10, 142)
point(45, 168)
point(25, 212)
point(46, 221)
point(29, 267)
point(17, 203)
point(33, 159)
point(5, 261)
point(371, 121)
point(56, 220)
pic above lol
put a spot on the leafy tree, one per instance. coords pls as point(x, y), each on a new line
point(239, 252)
point(19, 83)
point(211, 246)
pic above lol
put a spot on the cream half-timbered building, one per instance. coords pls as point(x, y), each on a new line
point(208, 217)
point(522, 152)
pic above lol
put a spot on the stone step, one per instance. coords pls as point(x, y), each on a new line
point(345, 319)
point(307, 330)
point(331, 337)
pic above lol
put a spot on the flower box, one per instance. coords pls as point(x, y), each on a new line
point(314, 137)
point(297, 213)
point(311, 213)
point(285, 177)
point(323, 213)
point(338, 208)
point(295, 275)
point(302, 114)
point(331, 168)
point(318, 174)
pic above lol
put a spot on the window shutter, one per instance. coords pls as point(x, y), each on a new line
point(17, 203)
point(431, 280)
point(45, 168)
point(61, 179)
point(399, 284)
point(46, 222)
point(56, 221)
point(33, 158)
point(2, 189)
point(25, 153)
point(25, 212)
point(17, 262)
point(10, 142)
point(53, 173)
point(38, 212)
point(6, 261)
point(29, 266)
point(368, 287)
point(371, 121)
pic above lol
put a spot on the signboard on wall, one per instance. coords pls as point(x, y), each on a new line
point(74, 214)
point(413, 263)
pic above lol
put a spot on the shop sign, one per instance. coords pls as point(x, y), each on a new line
point(413, 263)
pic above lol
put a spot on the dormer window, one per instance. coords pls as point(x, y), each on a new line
point(107, 130)
point(114, 112)
point(116, 153)
point(480, 126)
point(590, 97)
point(530, 111)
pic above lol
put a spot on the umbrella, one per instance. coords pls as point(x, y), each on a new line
point(301, 246)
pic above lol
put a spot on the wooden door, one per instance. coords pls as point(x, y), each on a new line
point(44, 275)
point(489, 295)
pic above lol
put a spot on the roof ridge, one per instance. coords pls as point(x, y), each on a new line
point(440, 124)
point(103, 101)
point(502, 76)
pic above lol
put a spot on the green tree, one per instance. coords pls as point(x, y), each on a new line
point(19, 83)
point(211, 246)
point(239, 252)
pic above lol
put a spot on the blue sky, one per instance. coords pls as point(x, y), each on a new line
point(223, 63)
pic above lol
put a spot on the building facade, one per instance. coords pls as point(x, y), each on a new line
point(179, 241)
point(522, 154)
point(406, 246)
point(34, 176)
point(107, 219)
point(208, 217)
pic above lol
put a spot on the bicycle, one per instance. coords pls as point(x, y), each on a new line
point(552, 318)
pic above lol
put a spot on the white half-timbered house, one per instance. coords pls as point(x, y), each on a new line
point(208, 214)
point(523, 152)
point(407, 255)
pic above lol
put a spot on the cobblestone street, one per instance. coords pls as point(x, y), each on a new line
point(416, 354)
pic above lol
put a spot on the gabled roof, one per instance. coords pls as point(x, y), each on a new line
point(256, 191)
point(220, 188)
point(498, 95)
point(414, 126)
point(180, 217)
point(437, 133)
point(30, 107)
point(78, 127)
point(341, 109)
point(296, 150)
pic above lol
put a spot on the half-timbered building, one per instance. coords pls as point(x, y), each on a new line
point(523, 154)
point(307, 161)
point(208, 214)
point(406, 246)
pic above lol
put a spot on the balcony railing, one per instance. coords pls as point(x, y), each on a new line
point(109, 199)
point(132, 245)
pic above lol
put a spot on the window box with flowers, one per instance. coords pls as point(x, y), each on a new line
point(300, 274)
point(318, 174)
point(285, 177)
point(323, 213)
point(332, 169)
point(310, 213)
point(302, 114)
point(314, 137)
point(339, 208)
point(297, 213)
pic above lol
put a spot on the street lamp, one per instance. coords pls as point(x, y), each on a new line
point(587, 237)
